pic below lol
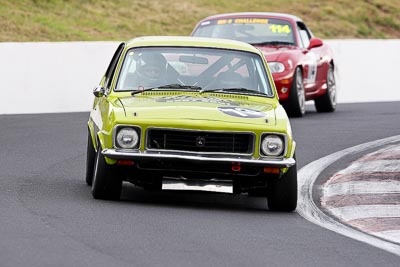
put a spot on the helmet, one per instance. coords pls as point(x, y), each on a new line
point(151, 68)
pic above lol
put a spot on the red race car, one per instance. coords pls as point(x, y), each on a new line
point(302, 66)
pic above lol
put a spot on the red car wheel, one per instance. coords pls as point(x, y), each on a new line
point(327, 102)
point(295, 105)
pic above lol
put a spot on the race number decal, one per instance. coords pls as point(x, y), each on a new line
point(242, 112)
point(276, 28)
point(312, 67)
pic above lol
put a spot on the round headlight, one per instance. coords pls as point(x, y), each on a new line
point(272, 145)
point(127, 138)
point(276, 67)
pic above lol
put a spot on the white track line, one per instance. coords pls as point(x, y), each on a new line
point(372, 166)
point(394, 150)
point(359, 187)
point(394, 235)
point(349, 213)
point(309, 210)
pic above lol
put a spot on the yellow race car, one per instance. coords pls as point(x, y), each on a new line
point(187, 113)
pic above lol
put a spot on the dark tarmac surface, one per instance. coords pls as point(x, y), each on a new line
point(48, 216)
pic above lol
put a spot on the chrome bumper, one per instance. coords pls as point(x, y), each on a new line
point(121, 154)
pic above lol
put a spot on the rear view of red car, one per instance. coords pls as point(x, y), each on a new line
point(302, 66)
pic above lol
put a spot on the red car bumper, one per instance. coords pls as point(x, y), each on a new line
point(283, 83)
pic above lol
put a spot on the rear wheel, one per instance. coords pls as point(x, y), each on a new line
point(327, 102)
point(295, 104)
point(105, 185)
point(90, 159)
point(282, 192)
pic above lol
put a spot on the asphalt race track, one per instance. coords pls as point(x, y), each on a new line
point(48, 216)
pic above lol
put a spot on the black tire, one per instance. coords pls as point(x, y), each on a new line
point(327, 102)
point(90, 158)
point(295, 104)
point(282, 192)
point(105, 185)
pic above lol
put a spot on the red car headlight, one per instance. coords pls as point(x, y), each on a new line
point(276, 67)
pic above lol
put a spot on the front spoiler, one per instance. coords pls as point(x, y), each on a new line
point(135, 155)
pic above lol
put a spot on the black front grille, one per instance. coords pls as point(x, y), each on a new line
point(200, 141)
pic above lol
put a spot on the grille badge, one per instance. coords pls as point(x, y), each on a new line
point(200, 141)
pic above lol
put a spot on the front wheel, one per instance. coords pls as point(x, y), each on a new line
point(282, 192)
point(90, 159)
point(105, 185)
point(295, 105)
point(327, 102)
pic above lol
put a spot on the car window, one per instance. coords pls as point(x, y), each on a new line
point(250, 30)
point(304, 34)
point(208, 68)
point(111, 67)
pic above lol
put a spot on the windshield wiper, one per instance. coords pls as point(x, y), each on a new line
point(143, 90)
point(238, 89)
point(180, 86)
point(273, 43)
point(169, 86)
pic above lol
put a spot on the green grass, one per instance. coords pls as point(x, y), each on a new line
point(89, 20)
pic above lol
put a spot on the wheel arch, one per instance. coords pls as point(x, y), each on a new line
point(332, 63)
point(301, 67)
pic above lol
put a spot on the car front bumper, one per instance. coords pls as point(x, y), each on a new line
point(118, 154)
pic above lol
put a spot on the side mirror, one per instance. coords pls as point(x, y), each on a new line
point(315, 42)
point(99, 91)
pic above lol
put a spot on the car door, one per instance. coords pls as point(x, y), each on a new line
point(101, 103)
point(313, 66)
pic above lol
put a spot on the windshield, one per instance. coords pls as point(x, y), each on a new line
point(250, 30)
point(192, 68)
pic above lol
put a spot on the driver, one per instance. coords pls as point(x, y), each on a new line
point(151, 70)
